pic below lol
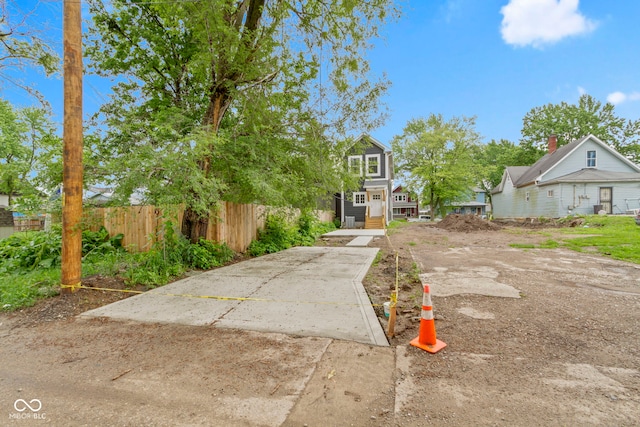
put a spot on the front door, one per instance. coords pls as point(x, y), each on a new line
point(606, 197)
point(375, 204)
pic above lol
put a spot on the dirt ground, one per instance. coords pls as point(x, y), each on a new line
point(534, 337)
point(567, 352)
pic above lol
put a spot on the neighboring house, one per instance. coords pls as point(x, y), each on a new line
point(403, 204)
point(583, 177)
point(100, 196)
point(6, 222)
point(371, 206)
point(11, 222)
point(477, 206)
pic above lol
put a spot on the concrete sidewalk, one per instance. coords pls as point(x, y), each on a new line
point(308, 291)
point(354, 232)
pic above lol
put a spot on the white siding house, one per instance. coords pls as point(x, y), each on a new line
point(582, 177)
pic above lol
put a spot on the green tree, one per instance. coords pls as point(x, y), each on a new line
point(28, 147)
point(437, 159)
point(21, 46)
point(236, 99)
point(492, 159)
point(570, 122)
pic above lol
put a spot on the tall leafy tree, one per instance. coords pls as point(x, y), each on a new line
point(570, 122)
point(436, 157)
point(492, 158)
point(22, 46)
point(236, 99)
point(28, 148)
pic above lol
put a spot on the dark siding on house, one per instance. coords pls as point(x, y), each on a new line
point(357, 211)
point(337, 202)
point(6, 218)
point(383, 161)
point(374, 149)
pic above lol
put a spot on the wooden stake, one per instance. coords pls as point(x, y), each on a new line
point(394, 301)
point(392, 321)
point(72, 154)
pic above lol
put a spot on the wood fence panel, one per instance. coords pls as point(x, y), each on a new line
point(235, 224)
point(216, 229)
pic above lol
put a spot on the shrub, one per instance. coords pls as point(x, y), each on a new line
point(205, 254)
point(30, 250)
point(99, 242)
point(278, 234)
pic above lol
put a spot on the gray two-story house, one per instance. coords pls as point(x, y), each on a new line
point(372, 205)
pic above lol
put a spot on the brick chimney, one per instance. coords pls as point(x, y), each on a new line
point(553, 143)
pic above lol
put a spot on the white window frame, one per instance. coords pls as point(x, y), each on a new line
point(594, 159)
point(355, 162)
point(378, 165)
point(400, 197)
point(527, 196)
point(549, 193)
point(357, 195)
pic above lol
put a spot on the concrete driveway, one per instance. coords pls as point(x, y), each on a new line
point(308, 291)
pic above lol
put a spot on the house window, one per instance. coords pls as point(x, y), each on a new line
point(376, 197)
point(591, 159)
point(549, 193)
point(355, 165)
point(359, 199)
point(399, 197)
point(373, 164)
point(526, 196)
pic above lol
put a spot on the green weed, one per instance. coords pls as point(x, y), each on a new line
point(280, 234)
point(377, 259)
point(549, 244)
point(30, 262)
point(414, 274)
point(617, 237)
point(522, 245)
point(614, 236)
point(24, 288)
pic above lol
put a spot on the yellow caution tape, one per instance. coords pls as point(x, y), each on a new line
point(216, 297)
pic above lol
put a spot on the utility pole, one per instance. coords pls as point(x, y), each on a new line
point(72, 154)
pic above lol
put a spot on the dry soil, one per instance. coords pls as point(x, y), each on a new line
point(534, 337)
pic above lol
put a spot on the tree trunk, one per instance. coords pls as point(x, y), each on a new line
point(246, 20)
point(195, 226)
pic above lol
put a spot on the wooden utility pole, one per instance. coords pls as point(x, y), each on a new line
point(72, 155)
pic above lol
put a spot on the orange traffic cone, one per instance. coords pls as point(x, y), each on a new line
point(426, 339)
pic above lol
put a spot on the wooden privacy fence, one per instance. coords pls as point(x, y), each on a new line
point(234, 224)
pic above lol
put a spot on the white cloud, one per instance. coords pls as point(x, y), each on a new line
point(619, 97)
point(540, 22)
point(616, 98)
point(581, 90)
point(450, 9)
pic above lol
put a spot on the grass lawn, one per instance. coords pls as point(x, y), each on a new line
point(617, 237)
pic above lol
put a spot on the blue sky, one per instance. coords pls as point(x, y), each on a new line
point(498, 59)
point(493, 59)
